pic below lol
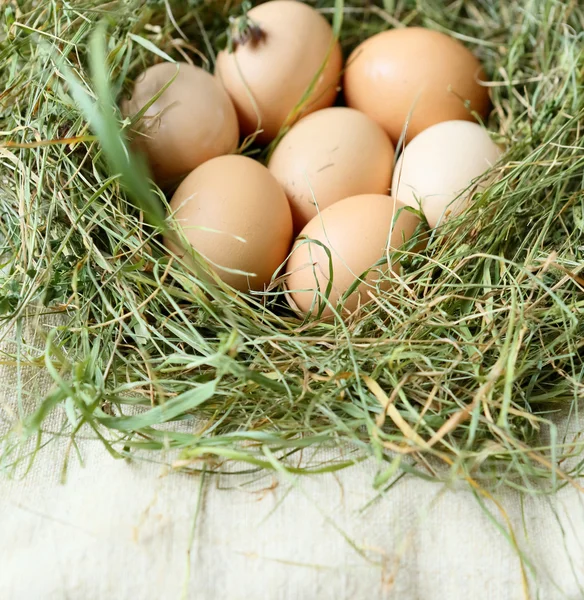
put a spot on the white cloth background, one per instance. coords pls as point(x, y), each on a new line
point(119, 531)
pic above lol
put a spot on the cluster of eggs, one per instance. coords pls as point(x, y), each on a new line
point(327, 182)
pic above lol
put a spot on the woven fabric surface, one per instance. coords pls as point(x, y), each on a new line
point(126, 530)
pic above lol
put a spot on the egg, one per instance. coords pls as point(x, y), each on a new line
point(191, 122)
point(435, 170)
point(330, 155)
point(414, 75)
point(355, 232)
point(268, 77)
point(236, 215)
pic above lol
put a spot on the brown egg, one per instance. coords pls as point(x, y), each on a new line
point(276, 70)
point(235, 214)
point(436, 169)
point(192, 121)
point(356, 232)
point(330, 155)
point(414, 73)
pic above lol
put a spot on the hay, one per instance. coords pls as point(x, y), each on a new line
point(463, 363)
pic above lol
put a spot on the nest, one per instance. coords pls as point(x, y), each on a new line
point(463, 363)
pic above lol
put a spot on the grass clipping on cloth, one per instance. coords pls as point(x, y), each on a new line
point(463, 363)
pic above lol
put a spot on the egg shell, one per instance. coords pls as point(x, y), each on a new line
point(356, 231)
point(277, 70)
point(439, 165)
point(330, 155)
point(417, 74)
point(191, 122)
point(234, 213)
